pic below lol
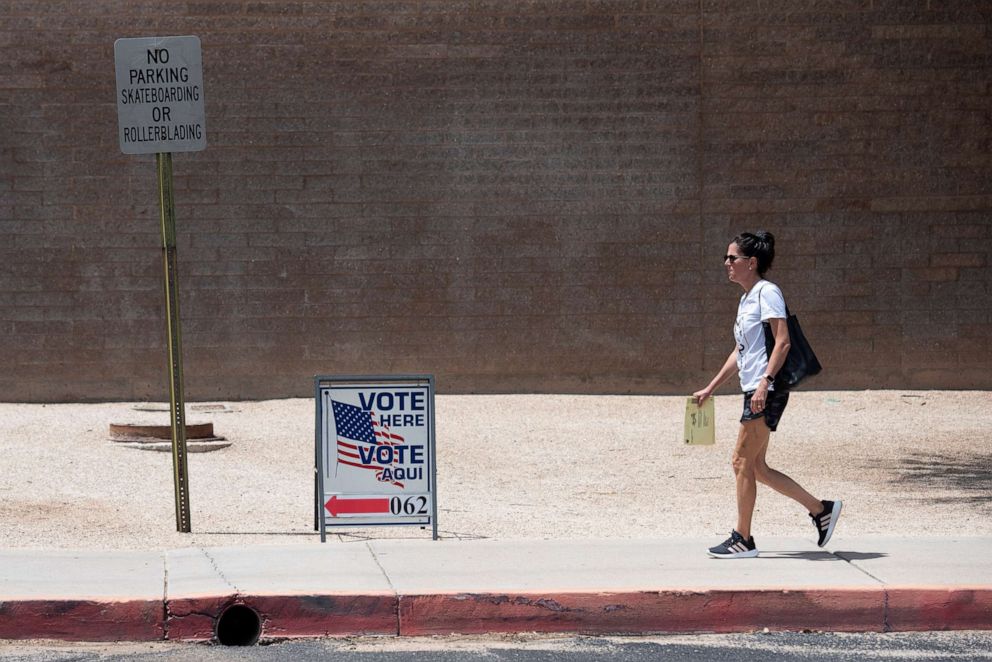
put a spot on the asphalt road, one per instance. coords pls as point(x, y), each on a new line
point(758, 647)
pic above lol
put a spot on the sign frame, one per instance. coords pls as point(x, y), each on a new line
point(326, 384)
point(160, 100)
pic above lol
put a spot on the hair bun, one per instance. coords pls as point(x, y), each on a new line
point(765, 237)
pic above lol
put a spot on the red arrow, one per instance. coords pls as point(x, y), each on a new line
point(336, 506)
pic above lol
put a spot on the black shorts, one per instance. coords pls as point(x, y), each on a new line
point(774, 406)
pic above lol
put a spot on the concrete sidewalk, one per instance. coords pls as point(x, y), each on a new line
point(422, 587)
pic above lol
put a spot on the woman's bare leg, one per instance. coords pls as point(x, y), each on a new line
point(782, 484)
point(751, 442)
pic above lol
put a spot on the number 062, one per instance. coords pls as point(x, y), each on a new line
point(416, 505)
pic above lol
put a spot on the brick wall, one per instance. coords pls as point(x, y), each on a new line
point(512, 195)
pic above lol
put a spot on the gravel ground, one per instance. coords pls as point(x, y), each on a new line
point(509, 466)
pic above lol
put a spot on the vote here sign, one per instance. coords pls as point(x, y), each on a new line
point(160, 95)
point(375, 451)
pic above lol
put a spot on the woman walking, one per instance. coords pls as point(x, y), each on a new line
point(748, 257)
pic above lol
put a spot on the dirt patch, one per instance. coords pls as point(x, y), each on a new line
point(509, 466)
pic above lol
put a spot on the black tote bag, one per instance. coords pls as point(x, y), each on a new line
point(801, 362)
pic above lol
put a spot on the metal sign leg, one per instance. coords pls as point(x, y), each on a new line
point(177, 409)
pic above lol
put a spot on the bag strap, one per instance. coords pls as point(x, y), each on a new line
point(787, 313)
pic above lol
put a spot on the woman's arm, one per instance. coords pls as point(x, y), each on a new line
point(728, 370)
point(780, 331)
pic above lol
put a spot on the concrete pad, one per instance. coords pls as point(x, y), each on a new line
point(554, 566)
point(920, 562)
point(81, 575)
point(190, 573)
point(283, 570)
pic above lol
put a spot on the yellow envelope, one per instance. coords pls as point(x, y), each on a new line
point(700, 429)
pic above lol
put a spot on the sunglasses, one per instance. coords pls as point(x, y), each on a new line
point(734, 258)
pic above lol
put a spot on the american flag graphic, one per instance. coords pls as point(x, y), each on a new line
point(358, 428)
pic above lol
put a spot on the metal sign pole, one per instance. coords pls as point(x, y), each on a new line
point(153, 120)
point(177, 411)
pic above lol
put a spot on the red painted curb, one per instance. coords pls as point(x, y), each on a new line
point(918, 609)
point(643, 612)
point(326, 615)
point(82, 620)
point(194, 619)
point(640, 612)
point(287, 616)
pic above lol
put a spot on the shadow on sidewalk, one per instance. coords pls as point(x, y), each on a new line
point(969, 474)
point(256, 533)
point(822, 556)
point(860, 556)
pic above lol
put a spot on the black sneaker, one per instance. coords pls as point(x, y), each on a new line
point(734, 547)
point(826, 521)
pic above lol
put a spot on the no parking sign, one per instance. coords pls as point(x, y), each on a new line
point(374, 454)
point(160, 95)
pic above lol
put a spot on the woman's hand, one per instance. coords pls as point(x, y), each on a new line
point(729, 368)
point(700, 396)
point(759, 398)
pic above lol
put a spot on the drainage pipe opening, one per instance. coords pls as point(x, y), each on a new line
point(238, 625)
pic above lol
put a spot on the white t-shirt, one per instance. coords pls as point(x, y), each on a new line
point(752, 359)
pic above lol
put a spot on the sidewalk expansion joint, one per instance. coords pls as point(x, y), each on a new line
point(851, 563)
point(166, 615)
point(220, 573)
point(396, 603)
point(381, 569)
point(886, 620)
